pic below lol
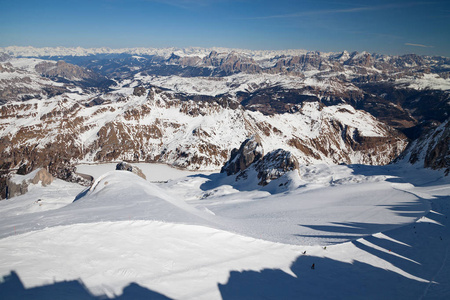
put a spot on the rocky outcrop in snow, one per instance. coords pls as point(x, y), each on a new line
point(274, 165)
point(250, 151)
point(249, 159)
point(18, 184)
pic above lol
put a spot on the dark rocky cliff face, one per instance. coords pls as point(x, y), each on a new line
point(438, 153)
point(250, 151)
point(274, 165)
point(431, 149)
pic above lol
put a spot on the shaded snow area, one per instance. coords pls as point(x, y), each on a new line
point(333, 232)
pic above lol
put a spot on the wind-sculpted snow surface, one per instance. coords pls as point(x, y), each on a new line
point(198, 238)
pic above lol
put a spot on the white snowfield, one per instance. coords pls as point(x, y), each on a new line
point(335, 232)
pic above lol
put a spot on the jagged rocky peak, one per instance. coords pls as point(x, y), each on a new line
point(123, 166)
point(6, 67)
point(360, 59)
point(274, 165)
point(250, 151)
point(343, 56)
point(249, 159)
point(213, 54)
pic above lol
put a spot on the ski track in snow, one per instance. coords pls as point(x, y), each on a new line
point(371, 232)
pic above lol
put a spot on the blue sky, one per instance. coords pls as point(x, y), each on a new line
point(389, 27)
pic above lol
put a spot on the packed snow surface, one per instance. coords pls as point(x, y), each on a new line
point(337, 232)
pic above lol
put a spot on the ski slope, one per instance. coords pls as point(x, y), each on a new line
point(370, 232)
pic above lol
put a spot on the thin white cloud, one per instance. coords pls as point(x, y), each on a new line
point(345, 10)
point(418, 45)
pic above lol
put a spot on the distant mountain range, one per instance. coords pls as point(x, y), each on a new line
point(191, 107)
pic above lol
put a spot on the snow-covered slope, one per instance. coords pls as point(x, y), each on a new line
point(347, 229)
point(20, 81)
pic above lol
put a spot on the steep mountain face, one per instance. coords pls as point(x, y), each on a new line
point(432, 149)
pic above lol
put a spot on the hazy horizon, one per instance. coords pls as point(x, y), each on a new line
point(385, 27)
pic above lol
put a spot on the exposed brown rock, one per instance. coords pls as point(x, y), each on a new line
point(139, 91)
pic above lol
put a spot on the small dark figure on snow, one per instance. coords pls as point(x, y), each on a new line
point(304, 252)
point(312, 267)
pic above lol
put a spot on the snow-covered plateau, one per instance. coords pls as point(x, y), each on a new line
point(353, 232)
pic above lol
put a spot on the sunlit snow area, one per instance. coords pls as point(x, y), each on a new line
point(336, 232)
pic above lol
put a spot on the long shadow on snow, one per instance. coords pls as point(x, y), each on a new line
point(352, 227)
point(419, 250)
point(347, 231)
point(12, 288)
point(400, 175)
point(351, 230)
point(330, 279)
